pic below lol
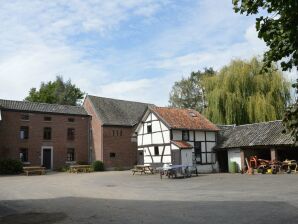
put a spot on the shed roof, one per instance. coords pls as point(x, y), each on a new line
point(249, 135)
point(41, 107)
point(118, 112)
point(182, 144)
point(178, 118)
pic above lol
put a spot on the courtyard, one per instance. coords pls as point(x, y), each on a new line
point(120, 197)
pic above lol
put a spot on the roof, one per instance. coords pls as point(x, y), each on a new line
point(249, 135)
point(41, 107)
point(177, 118)
point(182, 144)
point(118, 112)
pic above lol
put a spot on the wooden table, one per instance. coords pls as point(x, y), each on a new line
point(146, 169)
point(34, 169)
point(79, 168)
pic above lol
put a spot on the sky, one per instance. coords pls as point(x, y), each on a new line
point(130, 50)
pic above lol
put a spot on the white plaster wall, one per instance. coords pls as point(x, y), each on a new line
point(167, 159)
point(140, 149)
point(149, 117)
point(210, 136)
point(234, 156)
point(155, 126)
point(147, 139)
point(166, 136)
point(186, 157)
point(154, 117)
point(210, 146)
point(177, 135)
point(167, 150)
point(163, 127)
point(157, 138)
point(200, 136)
point(191, 135)
point(139, 140)
point(174, 147)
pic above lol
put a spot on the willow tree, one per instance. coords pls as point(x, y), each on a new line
point(243, 93)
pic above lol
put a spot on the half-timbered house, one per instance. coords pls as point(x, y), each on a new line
point(176, 136)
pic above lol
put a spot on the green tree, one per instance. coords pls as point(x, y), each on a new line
point(242, 93)
point(56, 92)
point(278, 28)
point(189, 92)
point(290, 119)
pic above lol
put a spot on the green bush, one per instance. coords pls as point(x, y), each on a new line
point(97, 166)
point(10, 166)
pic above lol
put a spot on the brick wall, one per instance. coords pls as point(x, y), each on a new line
point(10, 142)
point(96, 132)
point(121, 145)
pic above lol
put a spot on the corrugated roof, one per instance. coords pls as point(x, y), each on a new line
point(118, 112)
point(182, 144)
point(189, 119)
point(41, 107)
point(258, 134)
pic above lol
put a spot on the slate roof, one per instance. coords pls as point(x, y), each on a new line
point(118, 112)
point(258, 134)
point(41, 107)
point(188, 119)
point(182, 144)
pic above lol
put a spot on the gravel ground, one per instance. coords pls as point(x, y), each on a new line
point(120, 197)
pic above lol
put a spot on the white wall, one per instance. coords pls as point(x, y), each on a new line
point(186, 157)
point(234, 156)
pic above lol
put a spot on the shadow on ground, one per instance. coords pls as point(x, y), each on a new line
point(90, 210)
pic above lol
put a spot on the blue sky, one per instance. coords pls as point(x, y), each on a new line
point(130, 49)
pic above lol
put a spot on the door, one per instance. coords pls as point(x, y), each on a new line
point(47, 158)
point(176, 157)
point(141, 157)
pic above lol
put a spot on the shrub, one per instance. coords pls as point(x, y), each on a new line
point(97, 166)
point(10, 166)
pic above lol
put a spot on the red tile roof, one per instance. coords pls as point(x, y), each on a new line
point(182, 144)
point(189, 119)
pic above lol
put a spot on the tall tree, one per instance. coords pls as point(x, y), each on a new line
point(290, 119)
point(278, 28)
point(56, 92)
point(242, 93)
point(189, 92)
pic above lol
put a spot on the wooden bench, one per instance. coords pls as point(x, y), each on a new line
point(142, 169)
point(34, 169)
point(80, 168)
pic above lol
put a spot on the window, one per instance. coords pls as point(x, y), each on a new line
point(185, 135)
point(70, 154)
point(203, 153)
point(24, 155)
point(71, 119)
point(47, 119)
point(70, 133)
point(117, 132)
point(24, 132)
point(112, 155)
point(47, 133)
point(156, 151)
point(149, 128)
point(25, 117)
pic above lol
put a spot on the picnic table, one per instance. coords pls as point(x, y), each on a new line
point(34, 169)
point(79, 168)
point(146, 169)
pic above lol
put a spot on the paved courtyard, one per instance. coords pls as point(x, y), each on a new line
point(119, 197)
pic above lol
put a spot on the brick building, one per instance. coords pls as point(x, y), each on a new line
point(113, 124)
point(44, 134)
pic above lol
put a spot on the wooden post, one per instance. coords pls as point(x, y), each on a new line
point(273, 153)
point(242, 156)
